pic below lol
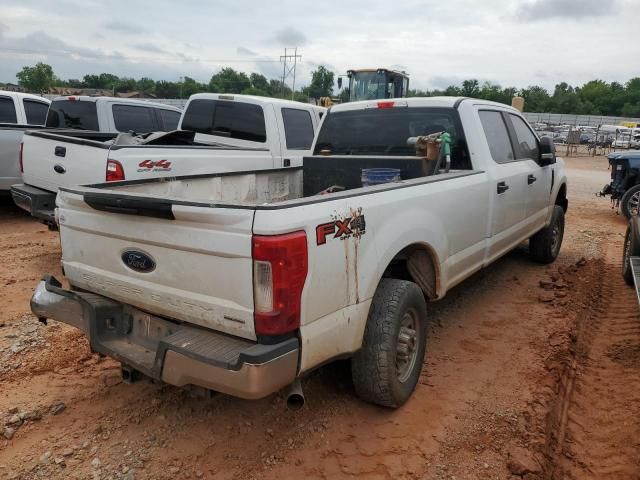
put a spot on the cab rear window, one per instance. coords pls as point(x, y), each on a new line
point(73, 114)
point(241, 121)
point(387, 132)
point(133, 118)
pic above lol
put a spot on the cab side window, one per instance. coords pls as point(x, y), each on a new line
point(525, 142)
point(7, 110)
point(497, 136)
point(298, 128)
point(36, 112)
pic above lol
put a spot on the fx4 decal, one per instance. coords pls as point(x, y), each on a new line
point(154, 166)
point(353, 226)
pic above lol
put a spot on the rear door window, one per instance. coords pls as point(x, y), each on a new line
point(169, 119)
point(298, 128)
point(241, 121)
point(133, 118)
point(497, 136)
point(73, 114)
point(526, 144)
point(36, 111)
point(7, 110)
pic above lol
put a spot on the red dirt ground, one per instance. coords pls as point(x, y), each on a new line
point(531, 372)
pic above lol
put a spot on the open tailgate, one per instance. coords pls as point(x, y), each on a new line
point(188, 262)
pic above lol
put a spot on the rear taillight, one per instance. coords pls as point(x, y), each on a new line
point(391, 104)
point(20, 152)
point(279, 273)
point(385, 104)
point(115, 172)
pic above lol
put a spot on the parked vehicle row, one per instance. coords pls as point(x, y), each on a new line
point(217, 133)
point(243, 282)
point(18, 112)
point(613, 136)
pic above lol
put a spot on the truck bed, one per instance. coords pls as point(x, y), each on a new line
point(274, 188)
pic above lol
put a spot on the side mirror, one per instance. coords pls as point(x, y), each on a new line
point(339, 83)
point(547, 152)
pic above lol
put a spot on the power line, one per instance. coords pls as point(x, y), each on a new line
point(285, 73)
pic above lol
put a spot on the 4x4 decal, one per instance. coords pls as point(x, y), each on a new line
point(351, 226)
point(154, 166)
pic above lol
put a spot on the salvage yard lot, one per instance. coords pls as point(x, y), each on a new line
point(531, 372)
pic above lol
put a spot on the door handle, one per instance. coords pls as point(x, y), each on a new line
point(502, 187)
point(60, 151)
point(531, 179)
point(59, 169)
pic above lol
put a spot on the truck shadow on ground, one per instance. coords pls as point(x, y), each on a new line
point(8, 209)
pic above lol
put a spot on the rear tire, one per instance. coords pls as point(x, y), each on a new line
point(386, 369)
point(545, 245)
point(629, 202)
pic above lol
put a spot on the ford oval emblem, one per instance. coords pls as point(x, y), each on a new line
point(138, 261)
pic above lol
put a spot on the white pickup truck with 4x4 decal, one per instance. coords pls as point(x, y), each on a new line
point(244, 282)
point(221, 133)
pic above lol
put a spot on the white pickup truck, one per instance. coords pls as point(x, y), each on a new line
point(228, 133)
point(242, 283)
point(81, 117)
point(18, 112)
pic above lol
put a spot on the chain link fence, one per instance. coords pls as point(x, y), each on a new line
point(583, 120)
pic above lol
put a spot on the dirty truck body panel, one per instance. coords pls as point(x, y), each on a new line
point(200, 239)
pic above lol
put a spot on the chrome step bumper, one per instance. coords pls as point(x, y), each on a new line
point(162, 349)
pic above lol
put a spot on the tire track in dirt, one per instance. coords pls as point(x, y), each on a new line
point(593, 428)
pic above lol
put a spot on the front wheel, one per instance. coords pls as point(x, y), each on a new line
point(386, 369)
point(629, 202)
point(545, 245)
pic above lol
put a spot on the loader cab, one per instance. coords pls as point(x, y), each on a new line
point(373, 84)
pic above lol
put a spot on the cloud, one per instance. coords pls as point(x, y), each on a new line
point(290, 37)
point(246, 52)
point(538, 10)
point(41, 43)
point(122, 26)
point(459, 48)
point(70, 61)
point(149, 47)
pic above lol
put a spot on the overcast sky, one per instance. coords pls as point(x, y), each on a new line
point(512, 42)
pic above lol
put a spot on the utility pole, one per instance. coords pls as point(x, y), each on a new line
point(288, 58)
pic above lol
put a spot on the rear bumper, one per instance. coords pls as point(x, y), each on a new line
point(6, 182)
point(164, 350)
point(39, 203)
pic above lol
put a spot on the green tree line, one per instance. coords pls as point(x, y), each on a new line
point(595, 97)
point(41, 77)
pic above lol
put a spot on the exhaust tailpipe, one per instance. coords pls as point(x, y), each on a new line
point(295, 396)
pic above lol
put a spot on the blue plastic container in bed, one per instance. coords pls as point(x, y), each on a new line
point(378, 176)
